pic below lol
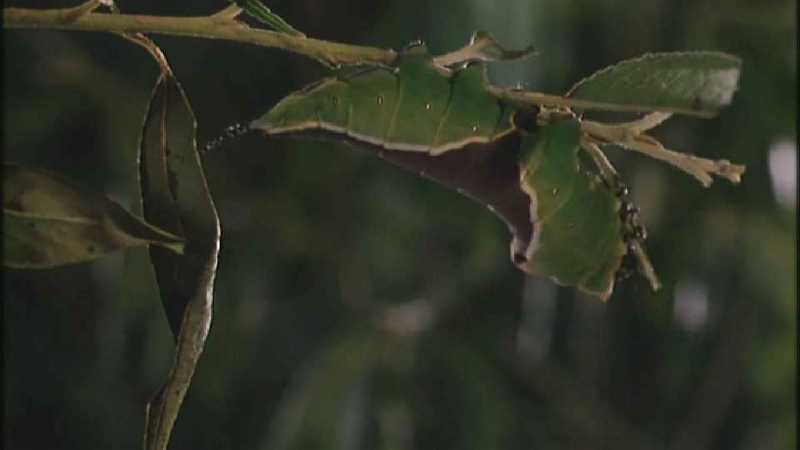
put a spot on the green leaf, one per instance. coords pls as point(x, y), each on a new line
point(175, 195)
point(694, 83)
point(485, 409)
point(48, 222)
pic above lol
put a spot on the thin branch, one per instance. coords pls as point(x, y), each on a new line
point(216, 26)
point(148, 44)
point(700, 168)
point(647, 122)
point(230, 13)
point(64, 15)
point(629, 136)
point(609, 173)
point(607, 170)
point(538, 98)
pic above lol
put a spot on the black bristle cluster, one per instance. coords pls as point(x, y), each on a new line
point(632, 230)
point(415, 43)
point(230, 132)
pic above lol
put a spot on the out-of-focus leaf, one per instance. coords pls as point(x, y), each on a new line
point(175, 196)
point(48, 222)
point(695, 83)
point(321, 409)
point(484, 413)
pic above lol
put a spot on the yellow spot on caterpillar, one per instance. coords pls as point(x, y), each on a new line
point(380, 99)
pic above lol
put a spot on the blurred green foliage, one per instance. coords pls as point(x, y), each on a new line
point(359, 306)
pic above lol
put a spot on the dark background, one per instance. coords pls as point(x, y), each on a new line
point(359, 306)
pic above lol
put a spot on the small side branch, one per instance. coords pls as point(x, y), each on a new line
point(230, 13)
point(609, 174)
point(631, 136)
point(566, 103)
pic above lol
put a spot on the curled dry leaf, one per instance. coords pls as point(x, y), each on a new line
point(175, 195)
point(482, 47)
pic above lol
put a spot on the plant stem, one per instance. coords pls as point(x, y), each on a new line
point(210, 27)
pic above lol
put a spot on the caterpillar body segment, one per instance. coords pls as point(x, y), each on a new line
point(418, 107)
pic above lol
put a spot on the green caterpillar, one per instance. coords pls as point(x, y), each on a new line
point(449, 125)
point(417, 107)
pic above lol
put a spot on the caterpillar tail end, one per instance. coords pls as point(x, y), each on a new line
point(230, 132)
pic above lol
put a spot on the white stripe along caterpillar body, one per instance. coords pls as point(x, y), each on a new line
point(567, 223)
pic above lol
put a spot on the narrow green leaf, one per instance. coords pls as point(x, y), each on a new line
point(694, 83)
point(48, 222)
point(175, 195)
point(260, 12)
point(488, 415)
point(321, 409)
